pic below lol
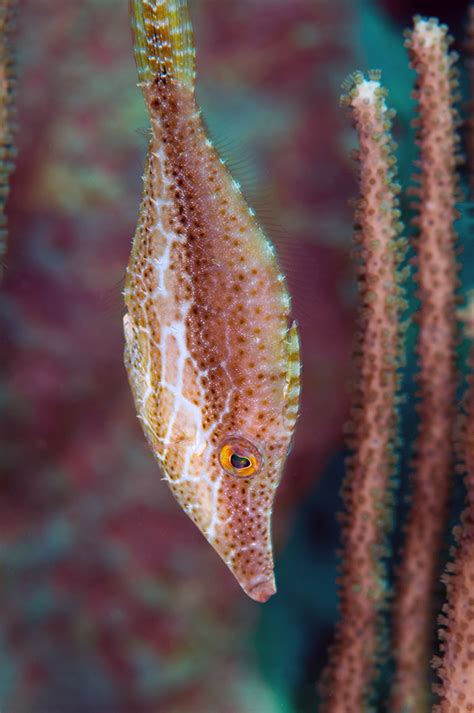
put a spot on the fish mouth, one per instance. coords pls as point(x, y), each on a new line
point(262, 591)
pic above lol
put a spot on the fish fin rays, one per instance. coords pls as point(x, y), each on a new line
point(163, 40)
point(132, 356)
point(292, 391)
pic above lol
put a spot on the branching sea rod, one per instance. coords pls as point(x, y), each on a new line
point(456, 667)
point(349, 678)
point(7, 89)
point(436, 277)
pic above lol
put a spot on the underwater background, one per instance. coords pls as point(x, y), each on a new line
point(111, 600)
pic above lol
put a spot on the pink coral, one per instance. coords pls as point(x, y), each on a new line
point(372, 431)
point(437, 282)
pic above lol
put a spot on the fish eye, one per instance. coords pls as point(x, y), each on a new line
point(240, 457)
point(240, 461)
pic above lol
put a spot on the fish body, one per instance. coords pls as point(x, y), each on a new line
point(212, 360)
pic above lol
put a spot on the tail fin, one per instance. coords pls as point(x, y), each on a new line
point(163, 40)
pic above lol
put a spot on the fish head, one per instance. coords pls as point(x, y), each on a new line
point(248, 469)
point(222, 459)
point(228, 491)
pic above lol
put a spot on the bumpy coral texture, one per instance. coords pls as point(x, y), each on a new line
point(436, 277)
point(7, 110)
point(470, 109)
point(372, 431)
point(455, 668)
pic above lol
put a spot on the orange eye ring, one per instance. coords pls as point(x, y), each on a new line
point(239, 457)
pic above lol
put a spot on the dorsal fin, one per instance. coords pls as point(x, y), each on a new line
point(292, 392)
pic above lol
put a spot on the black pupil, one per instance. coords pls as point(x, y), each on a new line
point(239, 461)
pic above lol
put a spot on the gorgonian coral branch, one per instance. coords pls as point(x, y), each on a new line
point(372, 431)
point(470, 108)
point(456, 667)
point(7, 88)
point(436, 276)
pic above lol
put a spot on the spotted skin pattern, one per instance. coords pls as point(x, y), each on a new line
point(210, 356)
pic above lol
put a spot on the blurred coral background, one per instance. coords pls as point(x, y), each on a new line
point(111, 600)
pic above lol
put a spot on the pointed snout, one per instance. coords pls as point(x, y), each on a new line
point(262, 591)
point(244, 535)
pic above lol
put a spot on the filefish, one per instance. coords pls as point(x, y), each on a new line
point(212, 359)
